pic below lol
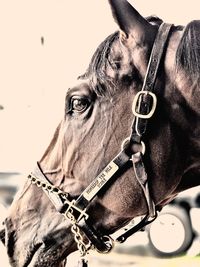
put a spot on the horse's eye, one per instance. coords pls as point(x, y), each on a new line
point(79, 104)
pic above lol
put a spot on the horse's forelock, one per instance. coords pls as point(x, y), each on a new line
point(188, 52)
point(96, 71)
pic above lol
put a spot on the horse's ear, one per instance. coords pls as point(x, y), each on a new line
point(130, 21)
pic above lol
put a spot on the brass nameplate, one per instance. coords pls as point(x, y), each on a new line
point(100, 180)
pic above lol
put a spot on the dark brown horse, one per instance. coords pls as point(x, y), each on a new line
point(98, 117)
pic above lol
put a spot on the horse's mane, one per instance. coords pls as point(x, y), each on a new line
point(97, 67)
point(100, 60)
point(188, 52)
point(187, 56)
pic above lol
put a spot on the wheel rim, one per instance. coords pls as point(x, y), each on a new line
point(167, 233)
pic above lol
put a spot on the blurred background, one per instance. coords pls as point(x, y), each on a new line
point(45, 45)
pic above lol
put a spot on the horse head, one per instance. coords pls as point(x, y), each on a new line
point(98, 117)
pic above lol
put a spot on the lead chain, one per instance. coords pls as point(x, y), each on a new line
point(79, 240)
point(82, 247)
point(47, 186)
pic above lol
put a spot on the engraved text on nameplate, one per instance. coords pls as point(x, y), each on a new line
point(100, 180)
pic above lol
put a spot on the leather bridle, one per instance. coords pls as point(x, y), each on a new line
point(75, 210)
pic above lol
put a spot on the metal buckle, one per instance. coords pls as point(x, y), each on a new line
point(136, 102)
point(72, 206)
point(127, 141)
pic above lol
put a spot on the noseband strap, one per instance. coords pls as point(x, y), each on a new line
point(75, 210)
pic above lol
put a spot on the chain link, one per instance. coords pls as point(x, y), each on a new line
point(82, 247)
point(47, 186)
point(78, 237)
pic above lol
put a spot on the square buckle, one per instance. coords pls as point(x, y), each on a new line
point(72, 206)
point(136, 103)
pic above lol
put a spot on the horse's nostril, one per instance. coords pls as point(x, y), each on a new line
point(2, 236)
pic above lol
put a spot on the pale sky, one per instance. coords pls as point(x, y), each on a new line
point(34, 77)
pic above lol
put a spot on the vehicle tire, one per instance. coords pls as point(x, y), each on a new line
point(171, 233)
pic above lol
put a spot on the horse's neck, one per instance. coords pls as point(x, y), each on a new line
point(187, 118)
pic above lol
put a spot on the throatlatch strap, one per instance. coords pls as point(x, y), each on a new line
point(141, 176)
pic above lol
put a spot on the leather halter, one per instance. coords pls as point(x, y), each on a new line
point(144, 105)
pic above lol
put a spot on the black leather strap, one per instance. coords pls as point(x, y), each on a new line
point(140, 125)
point(82, 263)
point(158, 50)
point(102, 179)
point(94, 236)
point(145, 101)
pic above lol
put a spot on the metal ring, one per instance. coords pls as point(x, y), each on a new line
point(125, 142)
point(143, 148)
point(108, 242)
